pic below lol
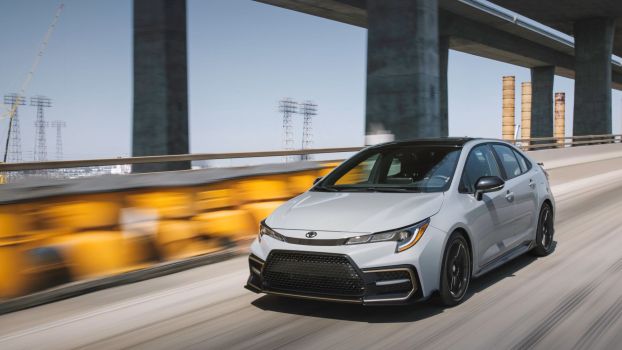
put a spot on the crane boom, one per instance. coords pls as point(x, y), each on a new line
point(31, 73)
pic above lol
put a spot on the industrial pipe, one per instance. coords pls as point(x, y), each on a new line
point(526, 111)
point(508, 108)
point(560, 118)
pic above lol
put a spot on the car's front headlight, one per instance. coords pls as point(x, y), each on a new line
point(405, 237)
point(264, 230)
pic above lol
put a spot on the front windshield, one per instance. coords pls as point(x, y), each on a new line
point(413, 168)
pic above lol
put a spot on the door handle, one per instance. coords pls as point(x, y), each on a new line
point(509, 196)
point(532, 184)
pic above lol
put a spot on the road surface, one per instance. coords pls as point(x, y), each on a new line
point(569, 300)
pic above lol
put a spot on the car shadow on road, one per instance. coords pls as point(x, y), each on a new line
point(386, 314)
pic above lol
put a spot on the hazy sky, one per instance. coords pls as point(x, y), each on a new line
point(243, 57)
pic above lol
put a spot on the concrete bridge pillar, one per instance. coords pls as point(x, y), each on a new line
point(160, 125)
point(403, 85)
point(592, 99)
point(542, 101)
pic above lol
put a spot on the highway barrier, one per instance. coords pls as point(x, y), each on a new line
point(67, 230)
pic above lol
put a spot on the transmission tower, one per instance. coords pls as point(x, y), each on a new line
point(59, 125)
point(41, 153)
point(14, 138)
point(288, 107)
point(308, 110)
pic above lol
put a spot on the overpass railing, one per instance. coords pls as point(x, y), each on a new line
point(527, 144)
point(538, 143)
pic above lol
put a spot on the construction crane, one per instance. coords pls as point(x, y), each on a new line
point(33, 68)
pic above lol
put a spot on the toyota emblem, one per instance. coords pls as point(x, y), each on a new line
point(311, 234)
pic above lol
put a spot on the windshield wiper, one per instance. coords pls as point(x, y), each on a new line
point(395, 189)
point(379, 189)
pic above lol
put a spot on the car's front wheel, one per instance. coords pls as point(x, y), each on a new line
point(544, 234)
point(456, 270)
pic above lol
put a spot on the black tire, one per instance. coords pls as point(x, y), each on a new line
point(544, 243)
point(455, 271)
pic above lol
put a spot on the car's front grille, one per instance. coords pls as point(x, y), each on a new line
point(312, 273)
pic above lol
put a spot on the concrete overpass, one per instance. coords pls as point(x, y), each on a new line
point(477, 28)
point(597, 28)
point(408, 43)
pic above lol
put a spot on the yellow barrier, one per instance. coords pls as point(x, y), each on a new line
point(231, 224)
point(96, 253)
point(13, 266)
point(81, 215)
point(181, 238)
point(169, 204)
point(92, 235)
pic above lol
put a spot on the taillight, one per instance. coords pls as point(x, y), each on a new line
point(544, 171)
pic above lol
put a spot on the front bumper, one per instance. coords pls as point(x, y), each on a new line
point(332, 277)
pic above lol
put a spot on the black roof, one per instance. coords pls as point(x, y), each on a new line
point(436, 141)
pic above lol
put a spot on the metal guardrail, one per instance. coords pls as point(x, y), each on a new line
point(165, 159)
point(527, 144)
point(537, 143)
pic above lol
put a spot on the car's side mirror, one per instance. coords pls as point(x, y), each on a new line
point(317, 180)
point(487, 184)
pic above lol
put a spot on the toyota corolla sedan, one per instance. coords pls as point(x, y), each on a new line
point(403, 221)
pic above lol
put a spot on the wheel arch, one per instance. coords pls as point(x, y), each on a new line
point(467, 237)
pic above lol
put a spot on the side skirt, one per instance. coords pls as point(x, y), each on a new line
point(509, 255)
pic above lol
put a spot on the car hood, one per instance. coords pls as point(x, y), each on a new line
point(354, 212)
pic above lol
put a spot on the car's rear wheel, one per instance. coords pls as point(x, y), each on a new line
point(456, 271)
point(544, 234)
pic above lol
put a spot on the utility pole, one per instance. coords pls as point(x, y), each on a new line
point(13, 147)
point(40, 102)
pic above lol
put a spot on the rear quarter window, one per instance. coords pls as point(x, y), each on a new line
point(508, 160)
point(525, 164)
